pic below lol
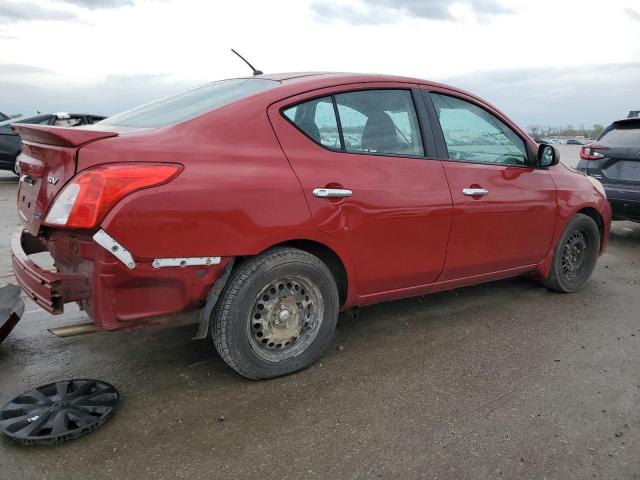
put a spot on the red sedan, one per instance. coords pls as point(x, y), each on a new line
point(261, 207)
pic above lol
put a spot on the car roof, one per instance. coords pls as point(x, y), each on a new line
point(315, 80)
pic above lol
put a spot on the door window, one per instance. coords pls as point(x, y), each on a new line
point(317, 119)
point(371, 121)
point(473, 134)
point(379, 121)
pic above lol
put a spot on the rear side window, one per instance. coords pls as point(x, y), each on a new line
point(380, 121)
point(622, 135)
point(317, 119)
point(475, 135)
point(368, 121)
point(191, 103)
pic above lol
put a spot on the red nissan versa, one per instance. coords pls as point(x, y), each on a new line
point(261, 207)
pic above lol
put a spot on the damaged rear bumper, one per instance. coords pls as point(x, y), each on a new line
point(50, 290)
point(115, 294)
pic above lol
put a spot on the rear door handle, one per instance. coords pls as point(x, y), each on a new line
point(472, 192)
point(331, 192)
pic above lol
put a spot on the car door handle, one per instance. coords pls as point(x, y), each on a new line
point(472, 192)
point(331, 192)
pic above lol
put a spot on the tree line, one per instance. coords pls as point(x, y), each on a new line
point(541, 131)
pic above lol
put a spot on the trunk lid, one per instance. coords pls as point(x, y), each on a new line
point(47, 162)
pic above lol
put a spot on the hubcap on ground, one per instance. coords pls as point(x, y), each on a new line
point(57, 412)
point(574, 254)
point(285, 318)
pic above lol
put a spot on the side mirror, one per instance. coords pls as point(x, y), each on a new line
point(547, 156)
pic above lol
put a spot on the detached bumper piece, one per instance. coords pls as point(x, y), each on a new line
point(11, 309)
point(50, 290)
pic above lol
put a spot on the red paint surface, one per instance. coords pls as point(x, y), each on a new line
point(246, 186)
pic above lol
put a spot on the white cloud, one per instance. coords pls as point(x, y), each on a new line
point(633, 14)
point(374, 12)
point(189, 41)
point(96, 4)
point(559, 96)
point(12, 11)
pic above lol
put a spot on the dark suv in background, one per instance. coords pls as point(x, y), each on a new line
point(614, 159)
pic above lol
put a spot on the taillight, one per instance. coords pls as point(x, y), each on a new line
point(590, 152)
point(90, 195)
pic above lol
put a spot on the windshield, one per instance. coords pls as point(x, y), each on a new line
point(189, 104)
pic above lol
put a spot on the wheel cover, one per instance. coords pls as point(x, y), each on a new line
point(574, 255)
point(285, 318)
point(57, 412)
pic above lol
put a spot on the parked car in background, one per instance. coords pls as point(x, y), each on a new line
point(614, 159)
point(4, 117)
point(10, 141)
point(271, 203)
point(573, 141)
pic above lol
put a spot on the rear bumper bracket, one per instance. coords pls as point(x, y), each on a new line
point(50, 290)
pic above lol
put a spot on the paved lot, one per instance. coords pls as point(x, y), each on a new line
point(504, 380)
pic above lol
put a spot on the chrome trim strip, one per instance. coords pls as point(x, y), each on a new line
point(184, 261)
point(105, 240)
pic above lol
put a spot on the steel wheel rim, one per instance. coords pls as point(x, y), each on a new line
point(60, 411)
point(285, 318)
point(574, 255)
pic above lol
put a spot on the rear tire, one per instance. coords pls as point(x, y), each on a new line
point(276, 315)
point(575, 255)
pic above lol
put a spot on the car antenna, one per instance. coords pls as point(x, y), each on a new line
point(255, 71)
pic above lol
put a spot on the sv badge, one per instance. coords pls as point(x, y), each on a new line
point(52, 180)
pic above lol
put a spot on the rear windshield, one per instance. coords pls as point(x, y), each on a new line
point(622, 135)
point(189, 104)
point(14, 120)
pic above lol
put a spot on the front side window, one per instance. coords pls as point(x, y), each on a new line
point(473, 134)
point(371, 121)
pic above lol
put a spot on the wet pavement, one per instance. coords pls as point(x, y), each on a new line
point(503, 380)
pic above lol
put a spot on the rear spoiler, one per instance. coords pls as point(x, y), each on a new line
point(58, 136)
point(627, 121)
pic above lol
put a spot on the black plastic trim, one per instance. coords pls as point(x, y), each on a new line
point(338, 122)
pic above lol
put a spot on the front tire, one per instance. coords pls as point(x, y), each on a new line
point(575, 256)
point(276, 315)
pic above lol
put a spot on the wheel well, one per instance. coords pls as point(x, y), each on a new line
point(595, 216)
point(330, 259)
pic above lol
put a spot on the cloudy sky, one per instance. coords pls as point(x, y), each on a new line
point(546, 62)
